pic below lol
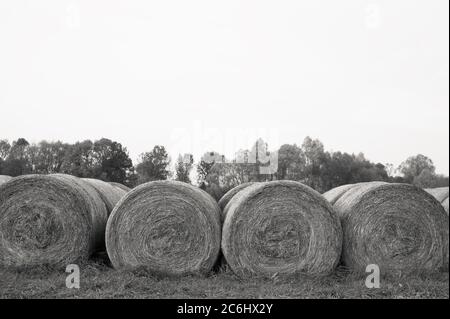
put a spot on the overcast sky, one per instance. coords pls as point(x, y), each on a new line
point(361, 76)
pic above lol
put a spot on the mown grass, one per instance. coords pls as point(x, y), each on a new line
point(99, 280)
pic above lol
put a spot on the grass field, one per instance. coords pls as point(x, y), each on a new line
point(98, 280)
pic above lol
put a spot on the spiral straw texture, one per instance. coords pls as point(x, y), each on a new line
point(166, 226)
point(280, 227)
point(54, 219)
point(399, 227)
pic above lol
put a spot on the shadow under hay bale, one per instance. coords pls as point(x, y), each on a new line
point(166, 226)
point(280, 228)
point(49, 219)
point(398, 227)
point(108, 193)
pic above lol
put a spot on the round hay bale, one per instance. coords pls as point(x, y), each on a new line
point(445, 205)
point(334, 194)
point(121, 186)
point(4, 179)
point(280, 228)
point(228, 195)
point(398, 227)
point(54, 219)
point(108, 193)
point(440, 193)
point(166, 226)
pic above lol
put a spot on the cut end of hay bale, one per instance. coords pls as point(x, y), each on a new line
point(166, 226)
point(283, 228)
point(109, 194)
point(51, 219)
point(398, 227)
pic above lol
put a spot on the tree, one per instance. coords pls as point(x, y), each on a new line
point(79, 160)
point(47, 157)
point(4, 149)
point(183, 168)
point(205, 165)
point(291, 163)
point(111, 161)
point(17, 161)
point(429, 179)
point(314, 158)
point(153, 165)
point(18, 149)
point(414, 166)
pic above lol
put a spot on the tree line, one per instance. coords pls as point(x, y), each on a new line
point(308, 163)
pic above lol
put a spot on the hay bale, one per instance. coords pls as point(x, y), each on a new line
point(228, 195)
point(445, 205)
point(334, 194)
point(4, 179)
point(121, 186)
point(54, 219)
point(440, 193)
point(166, 226)
point(399, 227)
point(280, 227)
point(108, 193)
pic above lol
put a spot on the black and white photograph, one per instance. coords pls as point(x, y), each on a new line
point(224, 157)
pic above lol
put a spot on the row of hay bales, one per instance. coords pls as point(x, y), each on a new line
point(265, 229)
point(53, 219)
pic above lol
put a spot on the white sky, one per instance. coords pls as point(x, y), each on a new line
point(362, 76)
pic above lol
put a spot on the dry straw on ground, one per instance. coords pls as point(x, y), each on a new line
point(280, 228)
point(399, 227)
point(4, 179)
point(109, 194)
point(53, 219)
point(166, 226)
point(121, 186)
